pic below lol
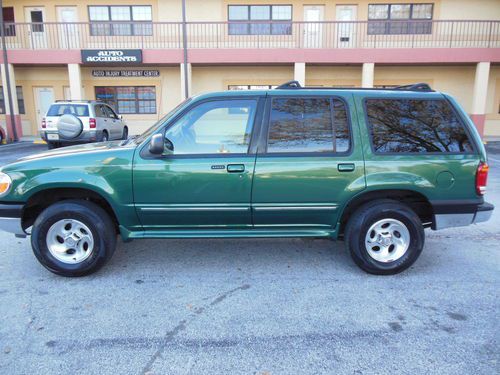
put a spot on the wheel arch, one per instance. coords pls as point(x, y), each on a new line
point(415, 200)
point(42, 199)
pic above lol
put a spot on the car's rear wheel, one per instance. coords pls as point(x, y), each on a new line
point(73, 238)
point(52, 145)
point(105, 136)
point(384, 237)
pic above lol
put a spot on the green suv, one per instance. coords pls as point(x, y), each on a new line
point(371, 167)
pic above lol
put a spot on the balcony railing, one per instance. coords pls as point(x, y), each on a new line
point(233, 35)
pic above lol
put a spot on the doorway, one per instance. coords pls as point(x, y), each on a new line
point(36, 30)
point(313, 29)
point(44, 97)
point(67, 30)
point(347, 14)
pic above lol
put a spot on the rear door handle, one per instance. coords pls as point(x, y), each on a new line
point(235, 168)
point(345, 167)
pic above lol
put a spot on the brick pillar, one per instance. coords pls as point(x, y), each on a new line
point(8, 115)
point(479, 95)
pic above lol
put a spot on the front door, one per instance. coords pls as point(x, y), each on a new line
point(313, 29)
point(36, 29)
point(67, 28)
point(308, 167)
point(347, 15)
point(44, 97)
point(204, 180)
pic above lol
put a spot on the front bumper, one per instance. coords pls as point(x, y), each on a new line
point(10, 219)
point(462, 215)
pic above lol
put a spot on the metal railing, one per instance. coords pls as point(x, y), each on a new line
point(261, 35)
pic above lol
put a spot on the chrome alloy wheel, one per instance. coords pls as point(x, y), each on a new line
point(70, 241)
point(387, 240)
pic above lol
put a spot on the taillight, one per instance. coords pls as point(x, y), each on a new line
point(44, 123)
point(92, 123)
point(481, 178)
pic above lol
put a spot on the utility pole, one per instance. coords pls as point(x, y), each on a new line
point(7, 79)
point(184, 46)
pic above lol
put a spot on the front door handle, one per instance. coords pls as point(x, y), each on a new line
point(345, 167)
point(235, 168)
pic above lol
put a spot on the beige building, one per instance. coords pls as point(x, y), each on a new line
point(141, 57)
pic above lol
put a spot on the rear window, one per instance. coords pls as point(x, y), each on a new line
point(415, 126)
point(308, 125)
point(80, 110)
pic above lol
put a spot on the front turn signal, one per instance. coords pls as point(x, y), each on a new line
point(5, 184)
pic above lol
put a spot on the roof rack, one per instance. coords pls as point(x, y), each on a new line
point(77, 101)
point(295, 85)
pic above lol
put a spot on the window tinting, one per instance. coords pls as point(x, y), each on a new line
point(218, 127)
point(260, 13)
point(308, 125)
point(128, 99)
point(81, 110)
point(415, 125)
point(390, 18)
point(119, 14)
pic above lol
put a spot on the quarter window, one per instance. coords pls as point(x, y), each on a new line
point(270, 19)
point(389, 18)
point(217, 127)
point(416, 126)
point(128, 99)
point(308, 125)
point(100, 17)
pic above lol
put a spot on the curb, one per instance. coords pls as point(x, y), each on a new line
point(39, 142)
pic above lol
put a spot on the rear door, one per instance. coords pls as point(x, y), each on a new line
point(114, 123)
point(309, 162)
point(206, 181)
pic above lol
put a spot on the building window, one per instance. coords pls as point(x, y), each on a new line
point(128, 99)
point(101, 16)
point(20, 101)
point(269, 19)
point(250, 87)
point(8, 19)
point(390, 19)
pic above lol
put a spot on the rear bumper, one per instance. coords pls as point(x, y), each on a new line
point(459, 215)
point(10, 219)
point(85, 137)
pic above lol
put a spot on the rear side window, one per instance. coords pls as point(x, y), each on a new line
point(308, 125)
point(80, 110)
point(415, 126)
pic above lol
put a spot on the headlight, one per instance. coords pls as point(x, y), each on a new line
point(5, 184)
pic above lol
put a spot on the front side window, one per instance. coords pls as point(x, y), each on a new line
point(217, 127)
point(308, 125)
point(415, 126)
point(390, 18)
point(270, 19)
point(128, 99)
point(101, 16)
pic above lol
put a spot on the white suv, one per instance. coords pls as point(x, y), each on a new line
point(72, 121)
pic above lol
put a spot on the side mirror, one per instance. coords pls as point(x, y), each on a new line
point(120, 117)
point(157, 144)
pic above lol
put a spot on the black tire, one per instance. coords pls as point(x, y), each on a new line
point(94, 217)
point(370, 213)
point(1, 138)
point(104, 136)
point(125, 133)
point(52, 145)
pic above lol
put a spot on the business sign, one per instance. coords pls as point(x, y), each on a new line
point(111, 56)
point(116, 73)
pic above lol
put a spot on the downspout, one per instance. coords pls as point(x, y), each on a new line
point(184, 46)
point(7, 78)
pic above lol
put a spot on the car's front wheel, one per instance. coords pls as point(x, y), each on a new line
point(73, 238)
point(384, 237)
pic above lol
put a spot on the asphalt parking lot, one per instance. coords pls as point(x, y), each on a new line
point(278, 306)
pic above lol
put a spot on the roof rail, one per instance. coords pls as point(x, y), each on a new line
point(289, 85)
point(421, 86)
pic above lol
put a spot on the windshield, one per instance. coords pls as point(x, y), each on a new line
point(160, 122)
point(81, 110)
